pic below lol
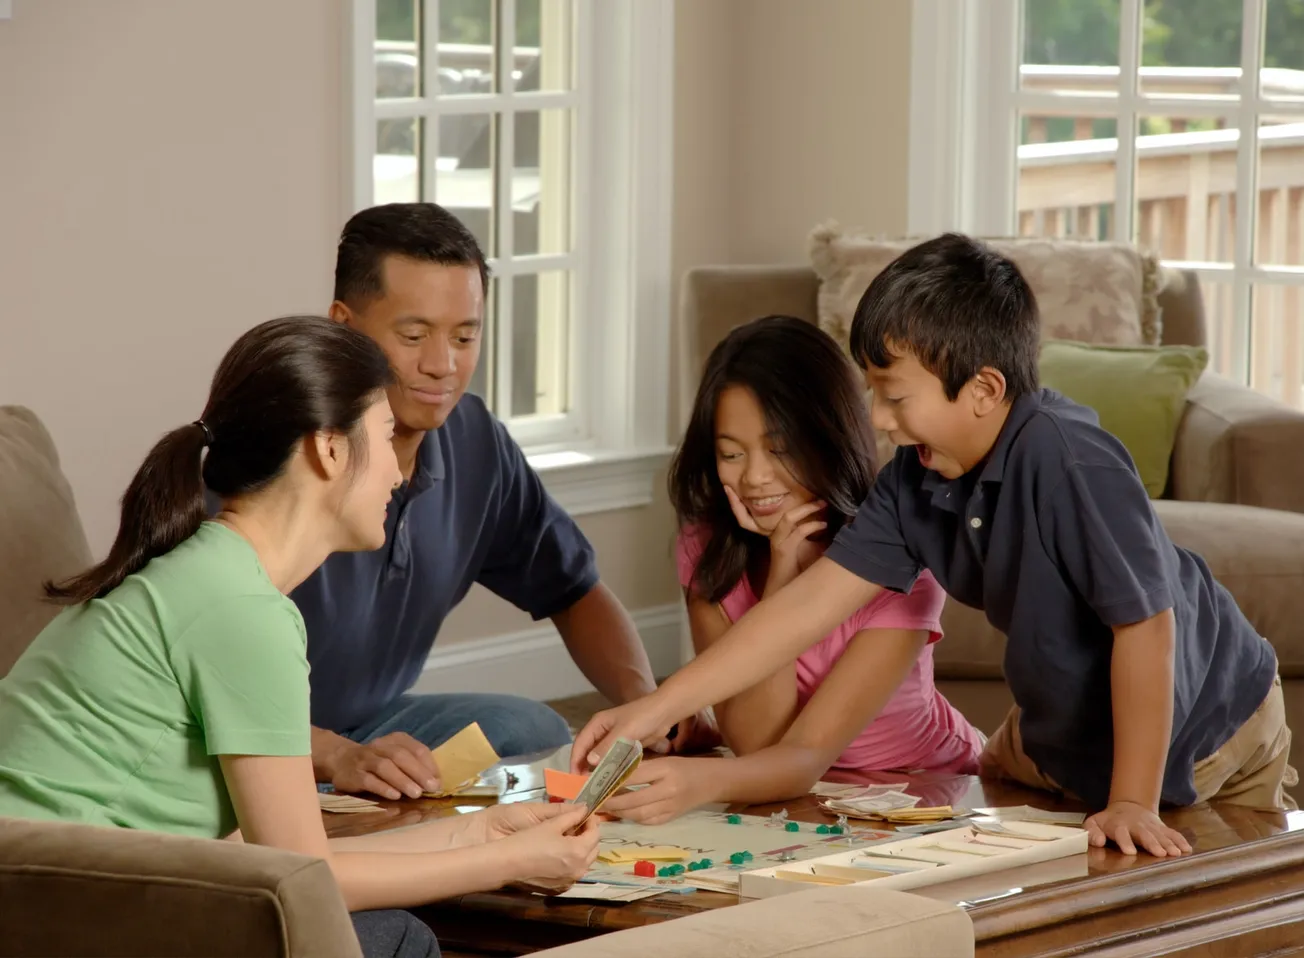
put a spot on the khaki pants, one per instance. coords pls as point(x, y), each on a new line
point(1252, 768)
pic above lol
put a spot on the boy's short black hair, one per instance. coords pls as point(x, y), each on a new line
point(957, 305)
point(420, 231)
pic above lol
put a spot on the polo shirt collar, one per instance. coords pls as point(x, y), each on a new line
point(430, 463)
point(1023, 409)
point(953, 494)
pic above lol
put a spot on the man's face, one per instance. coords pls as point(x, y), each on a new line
point(428, 319)
point(911, 407)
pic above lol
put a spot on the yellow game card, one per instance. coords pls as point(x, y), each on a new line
point(462, 758)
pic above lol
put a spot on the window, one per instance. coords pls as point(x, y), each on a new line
point(1175, 124)
point(492, 109)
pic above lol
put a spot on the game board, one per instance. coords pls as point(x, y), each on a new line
point(709, 835)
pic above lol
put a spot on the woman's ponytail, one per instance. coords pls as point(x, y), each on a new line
point(163, 506)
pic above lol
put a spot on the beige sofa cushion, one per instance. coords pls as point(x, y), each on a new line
point(1090, 292)
point(43, 537)
point(1257, 554)
point(820, 923)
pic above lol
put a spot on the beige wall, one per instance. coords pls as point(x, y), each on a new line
point(171, 174)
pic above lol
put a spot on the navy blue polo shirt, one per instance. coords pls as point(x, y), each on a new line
point(1054, 537)
point(473, 511)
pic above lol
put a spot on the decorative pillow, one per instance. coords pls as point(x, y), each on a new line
point(1086, 291)
point(1139, 393)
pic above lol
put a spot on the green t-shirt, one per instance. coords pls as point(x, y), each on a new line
point(116, 713)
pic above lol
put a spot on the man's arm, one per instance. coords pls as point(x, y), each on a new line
point(601, 639)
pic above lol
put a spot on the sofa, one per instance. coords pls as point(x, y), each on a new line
point(72, 889)
point(1235, 492)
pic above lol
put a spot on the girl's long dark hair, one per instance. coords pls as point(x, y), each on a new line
point(282, 381)
point(814, 403)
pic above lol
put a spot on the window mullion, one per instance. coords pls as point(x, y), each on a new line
point(1247, 190)
point(1129, 64)
point(504, 161)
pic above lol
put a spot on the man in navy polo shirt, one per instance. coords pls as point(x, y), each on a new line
point(413, 278)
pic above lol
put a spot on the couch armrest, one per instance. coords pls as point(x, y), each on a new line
point(82, 890)
point(1235, 445)
point(820, 923)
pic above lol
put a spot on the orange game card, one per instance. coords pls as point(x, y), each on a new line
point(562, 785)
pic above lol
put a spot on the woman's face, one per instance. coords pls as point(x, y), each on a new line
point(752, 462)
point(364, 503)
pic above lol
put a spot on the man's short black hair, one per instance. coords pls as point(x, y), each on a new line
point(420, 231)
point(957, 305)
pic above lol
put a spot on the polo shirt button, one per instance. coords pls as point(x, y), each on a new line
point(976, 522)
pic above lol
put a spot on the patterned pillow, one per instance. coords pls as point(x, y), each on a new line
point(1105, 293)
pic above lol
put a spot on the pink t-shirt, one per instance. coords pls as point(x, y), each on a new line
point(918, 728)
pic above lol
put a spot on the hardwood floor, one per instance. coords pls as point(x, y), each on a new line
point(578, 709)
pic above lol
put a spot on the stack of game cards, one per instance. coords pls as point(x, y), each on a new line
point(346, 804)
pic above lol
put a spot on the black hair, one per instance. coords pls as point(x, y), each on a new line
point(282, 381)
point(814, 403)
point(420, 231)
point(956, 305)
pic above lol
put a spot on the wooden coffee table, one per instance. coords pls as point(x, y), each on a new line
point(1240, 894)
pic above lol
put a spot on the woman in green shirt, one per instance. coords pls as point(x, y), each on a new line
point(172, 692)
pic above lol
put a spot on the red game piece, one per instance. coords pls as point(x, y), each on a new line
point(645, 869)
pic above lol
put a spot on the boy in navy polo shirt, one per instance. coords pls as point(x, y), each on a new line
point(1137, 680)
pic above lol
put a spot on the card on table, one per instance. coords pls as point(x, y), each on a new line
point(461, 760)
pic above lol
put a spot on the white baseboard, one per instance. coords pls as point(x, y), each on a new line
point(534, 663)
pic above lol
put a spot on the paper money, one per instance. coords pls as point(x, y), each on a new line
point(616, 766)
point(346, 804)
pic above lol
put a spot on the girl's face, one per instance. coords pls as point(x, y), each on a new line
point(751, 460)
point(363, 506)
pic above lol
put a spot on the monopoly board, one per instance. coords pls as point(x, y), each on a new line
point(710, 835)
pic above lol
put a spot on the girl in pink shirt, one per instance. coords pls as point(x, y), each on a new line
point(777, 456)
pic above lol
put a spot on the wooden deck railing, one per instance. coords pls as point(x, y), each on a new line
point(1185, 194)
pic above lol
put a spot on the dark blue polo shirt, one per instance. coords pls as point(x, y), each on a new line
point(1054, 537)
point(473, 511)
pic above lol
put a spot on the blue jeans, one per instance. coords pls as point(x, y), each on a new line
point(514, 726)
point(392, 933)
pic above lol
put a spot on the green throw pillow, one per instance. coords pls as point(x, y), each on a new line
point(1139, 393)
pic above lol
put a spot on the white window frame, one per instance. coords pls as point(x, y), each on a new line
point(965, 103)
point(606, 453)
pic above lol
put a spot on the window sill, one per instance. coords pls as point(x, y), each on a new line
point(588, 482)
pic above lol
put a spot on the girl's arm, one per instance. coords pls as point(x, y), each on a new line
point(755, 717)
point(275, 800)
point(855, 691)
point(861, 683)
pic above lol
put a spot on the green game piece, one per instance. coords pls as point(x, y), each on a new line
point(734, 819)
point(694, 866)
point(792, 827)
point(737, 858)
point(679, 869)
point(835, 829)
point(706, 863)
point(664, 872)
point(822, 830)
point(747, 856)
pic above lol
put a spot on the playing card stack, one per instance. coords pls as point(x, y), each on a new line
point(346, 804)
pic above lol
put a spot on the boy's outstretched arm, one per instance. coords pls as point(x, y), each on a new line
point(772, 633)
point(1141, 684)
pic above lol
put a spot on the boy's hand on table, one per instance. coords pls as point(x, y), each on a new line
point(1129, 825)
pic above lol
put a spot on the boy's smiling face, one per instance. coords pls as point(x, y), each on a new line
point(911, 407)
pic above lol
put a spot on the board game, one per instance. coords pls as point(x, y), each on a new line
point(980, 847)
point(717, 838)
